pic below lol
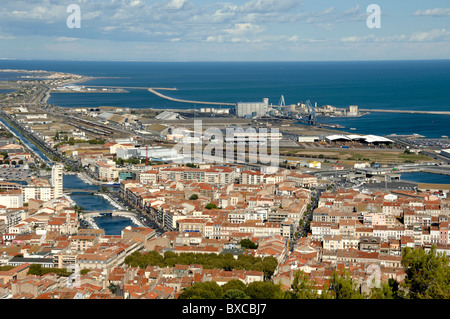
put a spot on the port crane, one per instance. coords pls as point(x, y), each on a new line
point(281, 103)
point(312, 119)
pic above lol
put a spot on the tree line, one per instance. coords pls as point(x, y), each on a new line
point(267, 265)
point(427, 277)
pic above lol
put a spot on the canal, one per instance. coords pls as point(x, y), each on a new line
point(112, 225)
point(25, 140)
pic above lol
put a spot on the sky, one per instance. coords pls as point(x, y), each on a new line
point(228, 30)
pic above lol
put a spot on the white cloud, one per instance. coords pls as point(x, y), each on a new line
point(244, 28)
point(176, 4)
point(47, 14)
point(354, 10)
point(136, 3)
point(66, 39)
point(370, 37)
point(265, 6)
point(214, 38)
point(433, 35)
point(328, 11)
point(437, 12)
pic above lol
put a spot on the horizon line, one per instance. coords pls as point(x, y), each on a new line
point(216, 61)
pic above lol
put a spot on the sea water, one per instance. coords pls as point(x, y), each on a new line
point(394, 85)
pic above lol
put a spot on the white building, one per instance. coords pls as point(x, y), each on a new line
point(44, 193)
point(254, 137)
point(57, 180)
point(12, 198)
point(252, 109)
point(157, 153)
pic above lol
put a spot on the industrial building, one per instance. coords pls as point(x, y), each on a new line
point(169, 116)
point(254, 137)
point(445, 153)
point(152, 153)
point(252, 109)
point(308, 139)
point(370, 139)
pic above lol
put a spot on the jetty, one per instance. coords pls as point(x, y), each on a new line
point(153, 90)
point(406, 111)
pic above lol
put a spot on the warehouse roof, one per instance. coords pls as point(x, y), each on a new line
point(366, 138)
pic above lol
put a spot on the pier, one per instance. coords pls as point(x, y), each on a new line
point(406, 111)
point(153, 90)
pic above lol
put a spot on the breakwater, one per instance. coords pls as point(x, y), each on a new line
point(153, 90)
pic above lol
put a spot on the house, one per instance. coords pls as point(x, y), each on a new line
point(16, 273)
point(314, 164)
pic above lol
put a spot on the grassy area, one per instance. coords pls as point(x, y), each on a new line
point(370, 155)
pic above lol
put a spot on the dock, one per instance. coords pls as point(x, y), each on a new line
point(406, 111)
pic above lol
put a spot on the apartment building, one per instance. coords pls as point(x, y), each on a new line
point(12, 198)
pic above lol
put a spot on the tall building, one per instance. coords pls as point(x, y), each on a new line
point(352, 110)
point(57, 180)
point(252, 109)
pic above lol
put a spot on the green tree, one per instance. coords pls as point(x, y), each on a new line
point(78, 209)
point(343, 287)
point(202, 290)
point(193, 197)
point(35, 269)
point(247, 244)
point(113, 288)
point(211, 206)
point(120, 161)
point(234, 284)
point(264, 290)
point(302, 287)
point(235, 294)
point(382, 292)
point(268, 266)
point(427, 274)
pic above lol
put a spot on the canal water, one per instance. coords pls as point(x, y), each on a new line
point(113, 225)
point(24, 140)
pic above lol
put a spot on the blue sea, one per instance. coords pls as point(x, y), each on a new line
point(396, 85)
point(426, 178)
